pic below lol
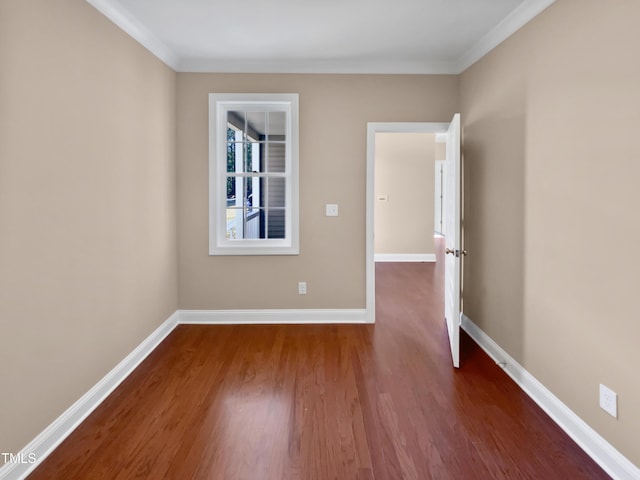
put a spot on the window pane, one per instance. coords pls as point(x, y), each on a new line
point(252, 227)
point(252, 124)
point(236, 119)
point(231, 150)
point(244, 224)
point(235, 191)
point(275, 157)
point(234, 224)
point(253, 157)
point(233, 187)
point(276, 192)
point(235, 157)
point(277, 126)
point(276, 223)
point(235, 149)
point(243, 157)
point(256, 125)
point(255, 198)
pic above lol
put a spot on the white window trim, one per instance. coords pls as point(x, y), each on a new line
point(219, 104)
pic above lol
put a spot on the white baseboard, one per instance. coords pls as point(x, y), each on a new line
point(286, 316)
point(404, 257)
point(54, 434)
point(601, 451)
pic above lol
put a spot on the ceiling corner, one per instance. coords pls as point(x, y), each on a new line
point(507, 27)
point(119, 16)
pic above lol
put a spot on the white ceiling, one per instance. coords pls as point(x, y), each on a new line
point(320, 36)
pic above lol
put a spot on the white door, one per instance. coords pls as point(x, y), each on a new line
point(452, 209)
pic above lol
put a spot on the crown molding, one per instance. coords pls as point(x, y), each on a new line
point(136, 30)
point(205, 65)
point(507, 27)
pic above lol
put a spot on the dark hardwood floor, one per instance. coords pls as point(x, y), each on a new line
point(322, 402)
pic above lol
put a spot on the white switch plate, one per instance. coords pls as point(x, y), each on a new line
point(609, 401)
point(302, 288)
point(332, 210)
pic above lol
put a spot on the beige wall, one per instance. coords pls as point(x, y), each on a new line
point(550, 126)
point(88, 253)
point(334, 111)
point(405, 174)
point(87, 206)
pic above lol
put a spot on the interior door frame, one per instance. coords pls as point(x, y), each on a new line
point(372, 129)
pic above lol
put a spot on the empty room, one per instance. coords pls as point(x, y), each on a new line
point(189, 281)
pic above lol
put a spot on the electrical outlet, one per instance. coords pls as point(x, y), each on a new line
point(609, 401)
point(302, 288)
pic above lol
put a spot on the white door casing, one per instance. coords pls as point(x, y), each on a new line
point(452, 209)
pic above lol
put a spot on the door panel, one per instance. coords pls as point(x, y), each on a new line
point(452, 214)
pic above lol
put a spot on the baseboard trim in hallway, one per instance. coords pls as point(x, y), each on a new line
point(601, 451)
point(405, 257)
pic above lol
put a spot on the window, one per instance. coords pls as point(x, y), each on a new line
point(253, 174)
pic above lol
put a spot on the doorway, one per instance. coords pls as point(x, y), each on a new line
point(372, 130)
point(405, 197)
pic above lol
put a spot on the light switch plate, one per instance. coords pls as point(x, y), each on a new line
point(332, 210)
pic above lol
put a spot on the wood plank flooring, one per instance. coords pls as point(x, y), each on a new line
point(322, 402)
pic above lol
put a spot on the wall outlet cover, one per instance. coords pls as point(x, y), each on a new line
point(609, 401)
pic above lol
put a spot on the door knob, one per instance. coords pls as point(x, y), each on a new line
point(448, 251)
